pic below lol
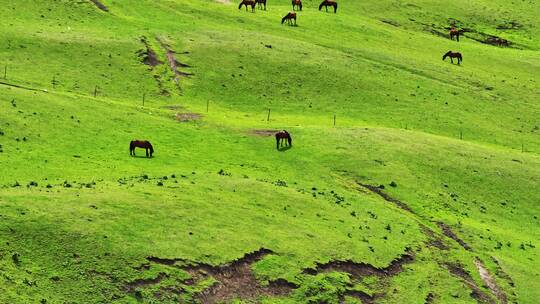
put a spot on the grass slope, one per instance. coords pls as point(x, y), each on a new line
point(80, 220)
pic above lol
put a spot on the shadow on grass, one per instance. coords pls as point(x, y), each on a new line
point(283, 149)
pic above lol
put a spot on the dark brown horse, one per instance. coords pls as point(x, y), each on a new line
point(454, 32)
point(247, 3)
point(261, 3)
point(289, 18)
point(145, 144)
point(281, 137)
point(453, 55)
point(327, 3)
point(297, 3)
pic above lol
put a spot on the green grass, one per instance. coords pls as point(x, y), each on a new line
point(460, 144)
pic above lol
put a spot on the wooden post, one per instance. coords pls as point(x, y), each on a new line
point(460, 134)
point(143, 98)
point(268, 117)
point(522, 148)
point(95, 91)
point(5, 72)
point(334, 120)
point(54, 82)
point(207, 103)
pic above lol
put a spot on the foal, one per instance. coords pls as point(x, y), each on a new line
point(289, 18)
point(327, 3)
point(453, 55)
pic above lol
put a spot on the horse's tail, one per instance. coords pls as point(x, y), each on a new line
point(131, 145)
point(240, 6)
point(335, 7)
point(320, 6)
point(151, 149)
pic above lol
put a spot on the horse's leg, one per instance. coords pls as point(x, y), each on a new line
point(451, 60)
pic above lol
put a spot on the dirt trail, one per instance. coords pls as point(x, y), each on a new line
point(477, 293)
point(386, 197)
point(100, 5)
point(490, 282)
point(449, 233)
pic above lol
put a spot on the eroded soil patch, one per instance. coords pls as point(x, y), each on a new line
point(174, 64)
point(358, 271)
point(233, 280)
point(186, 117)
point(148, 55)
point(100, 5)
point(263, 133)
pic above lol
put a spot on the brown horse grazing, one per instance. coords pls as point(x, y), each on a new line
point(145, 144)
point(289, 18)
point(327, 3)
point(247, 3)
point(260, 4)
point(281, 137)
point(454, 32)
point(297, 3)
point(453, 55)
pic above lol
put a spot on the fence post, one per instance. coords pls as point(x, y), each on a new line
point(460, 134)
point(5, 72)
point(207, 103)
point(95, 91)
point(268, 117)
point(143, 98)
point(334, 120)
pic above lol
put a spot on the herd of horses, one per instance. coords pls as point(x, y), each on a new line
point(283, 138)
point(291, 16)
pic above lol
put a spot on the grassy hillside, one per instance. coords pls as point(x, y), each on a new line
point(424, 190)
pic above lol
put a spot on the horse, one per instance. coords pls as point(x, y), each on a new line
point(453, 55)
point(289, 17)
point(327, 3)
point(455, 33)
point(247, 3)
point(145, 144)
point(281, 137)
point(260, 4)
point(297, 3)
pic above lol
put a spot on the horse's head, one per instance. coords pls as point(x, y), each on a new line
point(446, 55)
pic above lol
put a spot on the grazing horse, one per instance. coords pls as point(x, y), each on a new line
point(289, 18)
point(281, 137)
point(247, 3)
point(297, 3)
point(454, 32)
point(453, 55)
point(260, 4)
point(327, 3)
point(145, 144)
